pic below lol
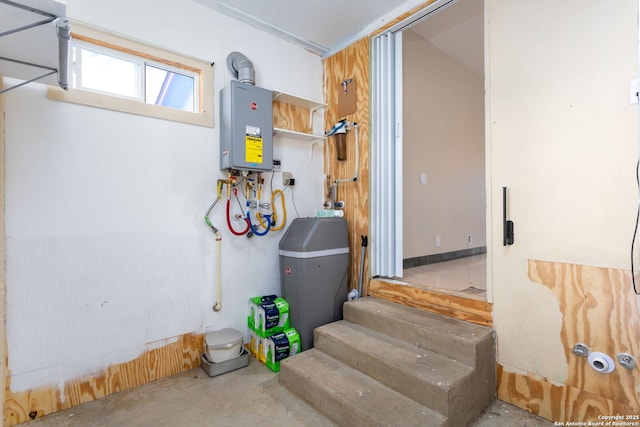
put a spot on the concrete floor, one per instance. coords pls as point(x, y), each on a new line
point(249, 396)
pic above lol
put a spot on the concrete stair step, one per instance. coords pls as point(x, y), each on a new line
point(466, 342)
point(433, 380)
point(348, 396)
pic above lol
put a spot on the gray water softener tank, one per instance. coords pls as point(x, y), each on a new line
point(314, 262)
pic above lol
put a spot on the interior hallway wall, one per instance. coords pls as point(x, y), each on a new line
point(110, 266)
point(443, 138)
point(564, 140)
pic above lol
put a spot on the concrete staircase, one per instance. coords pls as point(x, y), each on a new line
point(390, 365)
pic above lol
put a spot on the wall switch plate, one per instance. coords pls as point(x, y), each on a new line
point(633, 91)
point(286, 178)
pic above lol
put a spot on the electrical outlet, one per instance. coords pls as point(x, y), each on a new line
point(286, 178)
point(469, 240)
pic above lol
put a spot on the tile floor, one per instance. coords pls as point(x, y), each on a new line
point(463, 276)
point(249, 396)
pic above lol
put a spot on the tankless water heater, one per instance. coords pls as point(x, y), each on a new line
point(246, 127)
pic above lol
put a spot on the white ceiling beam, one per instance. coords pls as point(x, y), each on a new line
point(267, 27)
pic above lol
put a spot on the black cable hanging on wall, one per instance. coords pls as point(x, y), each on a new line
point(635, 233)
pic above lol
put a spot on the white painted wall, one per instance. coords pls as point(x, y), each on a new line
point(107, 250)
point(443, 138)
point(564, 139)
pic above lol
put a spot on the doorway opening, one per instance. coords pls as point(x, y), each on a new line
point(444, 217)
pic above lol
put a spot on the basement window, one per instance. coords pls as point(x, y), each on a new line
point(115, 73)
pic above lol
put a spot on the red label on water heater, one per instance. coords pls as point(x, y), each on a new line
point(254, 106)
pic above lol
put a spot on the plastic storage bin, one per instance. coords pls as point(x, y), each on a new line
point(213, 369)
point(223, 345)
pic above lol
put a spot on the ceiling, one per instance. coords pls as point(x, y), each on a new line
point(327, 26)
point(319, 25)
point(458, 30)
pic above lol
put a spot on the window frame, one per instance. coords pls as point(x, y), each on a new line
point(76, 82)
point(147, 54)
point(176, 71)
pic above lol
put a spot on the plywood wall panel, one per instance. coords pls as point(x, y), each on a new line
point(170, 359)
point(599, 309)
point(291, 117)
point(352, 62)
point(553, 401)
point(470, 310)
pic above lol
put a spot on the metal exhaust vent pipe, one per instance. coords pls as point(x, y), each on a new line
point(241, 68)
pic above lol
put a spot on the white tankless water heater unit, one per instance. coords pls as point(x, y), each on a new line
point(246, 127)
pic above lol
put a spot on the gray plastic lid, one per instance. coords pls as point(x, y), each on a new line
point(224, 338)
point(315, 234)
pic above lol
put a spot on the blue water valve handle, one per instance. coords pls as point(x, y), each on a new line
point(337, 127)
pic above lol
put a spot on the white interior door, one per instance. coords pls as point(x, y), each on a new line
point(386, 156)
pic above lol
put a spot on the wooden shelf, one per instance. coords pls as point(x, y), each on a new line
point(297, 114)
point(298, 136)
point(298, 101)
